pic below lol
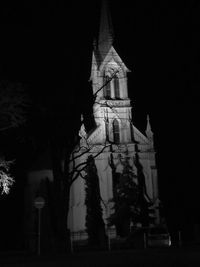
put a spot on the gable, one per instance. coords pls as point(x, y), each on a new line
point(95, 136)
point(112, 56)
point(139, 137)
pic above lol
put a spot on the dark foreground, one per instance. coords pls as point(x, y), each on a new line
point(146, 257)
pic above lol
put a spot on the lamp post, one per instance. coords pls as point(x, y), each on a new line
point(39, 203)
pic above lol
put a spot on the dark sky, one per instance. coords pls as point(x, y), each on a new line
point(50, 47)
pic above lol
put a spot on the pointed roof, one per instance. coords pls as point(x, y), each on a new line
point(104, 51)
point(148, 131)
point(82, 131)
point(105, 38)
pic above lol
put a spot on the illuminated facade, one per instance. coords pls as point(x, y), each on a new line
point(114, 136)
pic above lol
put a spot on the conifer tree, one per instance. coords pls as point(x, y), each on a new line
point(126, 201)
point(94, 221)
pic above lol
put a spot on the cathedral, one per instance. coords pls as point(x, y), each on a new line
point(114, 143)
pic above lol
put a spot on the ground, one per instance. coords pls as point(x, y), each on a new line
point(144, 257)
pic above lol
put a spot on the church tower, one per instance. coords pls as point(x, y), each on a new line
point(118, 148)
point(112, 109)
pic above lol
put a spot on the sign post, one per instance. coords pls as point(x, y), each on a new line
point(39, 203)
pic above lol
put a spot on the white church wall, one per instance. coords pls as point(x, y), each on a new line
point(78, 195)
point(76, 217)
point(147, 174)
point(105, 177)
point(123, 84)
point(154, 182)
point(105, 183)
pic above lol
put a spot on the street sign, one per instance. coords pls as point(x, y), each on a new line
point(39, 202)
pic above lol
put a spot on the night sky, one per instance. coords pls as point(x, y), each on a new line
point(49, 48)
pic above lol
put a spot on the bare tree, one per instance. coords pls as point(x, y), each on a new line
point(6, 180)
point(68, 164)
point(66, 171)
point(13, 105)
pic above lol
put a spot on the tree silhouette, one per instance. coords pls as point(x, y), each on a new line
point(125, 198)
point(6, 180)
point(14, 103)
point(65, 149)
point(94, 222)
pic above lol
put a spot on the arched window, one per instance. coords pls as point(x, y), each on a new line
point(106, 89)
point(116, 132)
point(116, 87)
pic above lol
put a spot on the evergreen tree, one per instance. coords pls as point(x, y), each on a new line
point(94, 221)
point(126, 204)
point(143, 198)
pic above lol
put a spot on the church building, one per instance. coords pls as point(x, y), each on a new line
point(114, 143)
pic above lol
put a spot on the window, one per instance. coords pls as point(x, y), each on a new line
point(116, 87)
point(107, 93)
point(116, 133)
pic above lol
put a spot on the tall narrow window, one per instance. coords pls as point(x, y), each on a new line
point(116, 87)
point(107, 93)
point(116, 133)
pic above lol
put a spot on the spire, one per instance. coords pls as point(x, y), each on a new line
point(148, 131)
point(82, 131)
point(105, 39)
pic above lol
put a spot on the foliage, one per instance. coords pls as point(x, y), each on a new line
point(131, 201)
point(144, 200)
point(13, 104)
point(126, 204)
point(6, 180)
point(94, 221)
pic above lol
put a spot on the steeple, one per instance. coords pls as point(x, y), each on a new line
point(148, 131)
point(105, 59)
point(105, 38)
